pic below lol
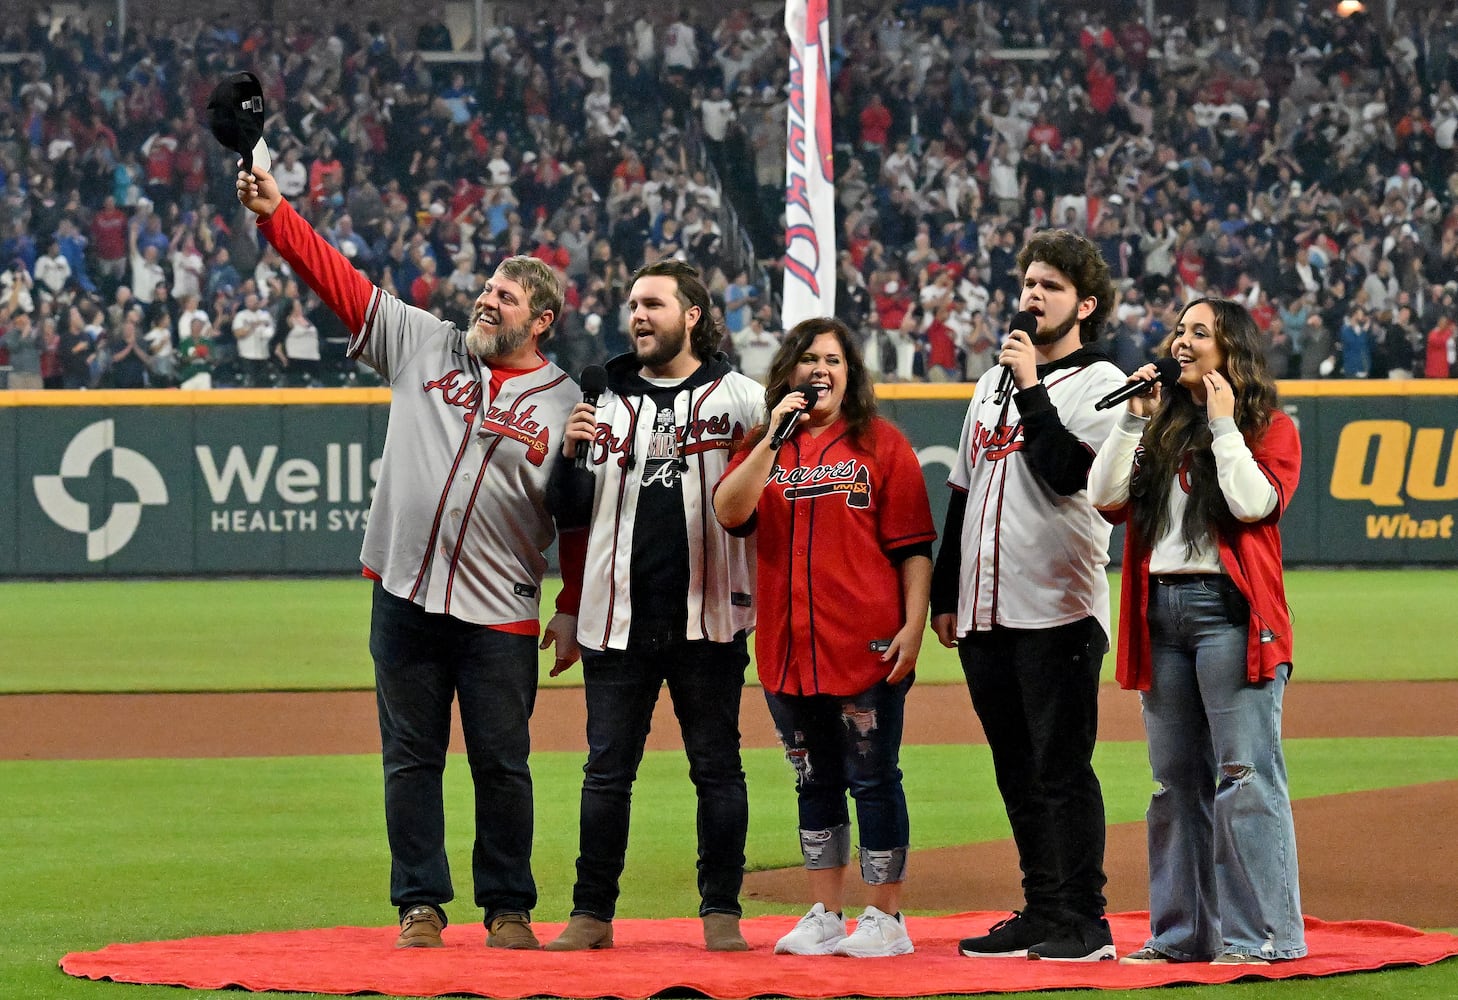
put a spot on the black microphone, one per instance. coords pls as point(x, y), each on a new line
point(1167, 374)
point(789, 420)
point(594, 381)
point(1028, 323)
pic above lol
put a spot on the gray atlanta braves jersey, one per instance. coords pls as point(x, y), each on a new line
point(458, 523)
point(1030, 557)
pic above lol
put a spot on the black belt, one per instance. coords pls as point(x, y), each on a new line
point(1177, 579)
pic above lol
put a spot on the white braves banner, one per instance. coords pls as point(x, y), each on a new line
point(809, 172)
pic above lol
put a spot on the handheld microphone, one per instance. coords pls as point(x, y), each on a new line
point(1028, 323)
point(789, 420)
point(594, 381)
point(1167, 374)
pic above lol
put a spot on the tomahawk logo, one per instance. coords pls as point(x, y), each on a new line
point(116, 531)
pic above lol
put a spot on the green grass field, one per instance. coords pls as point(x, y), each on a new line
point(101, 851)
point(141, 850)
point(283, 635)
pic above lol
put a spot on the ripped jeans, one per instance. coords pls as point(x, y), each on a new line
point(1222, 846)
point(848, 743)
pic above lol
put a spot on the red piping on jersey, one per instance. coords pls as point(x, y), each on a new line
point(465, 522)
point(810, 576)
point(977, 562)
point(707, 521)
point(997, 539)
point(793, 442)
point(356, 349)
point(476, 490)
point(440, 510)
point(618, 520)
point(1063, 373)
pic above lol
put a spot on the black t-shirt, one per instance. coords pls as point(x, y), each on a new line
point(660, 570)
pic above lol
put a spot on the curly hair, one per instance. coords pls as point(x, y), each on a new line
point(705, 336)
point(858, 407)
point(542, 285)
point(1178, 435)
point(1081, 261)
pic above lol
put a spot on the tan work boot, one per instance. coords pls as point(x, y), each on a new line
point(583, 933)
point(420, 927)
point(512, 930)
point(721, 933)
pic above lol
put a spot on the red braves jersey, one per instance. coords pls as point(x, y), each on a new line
point(458, 522)
point(829, 594)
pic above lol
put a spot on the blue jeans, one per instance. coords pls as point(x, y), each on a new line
point(422, 661)
point(705, 682)
point(1222, 846)
point(1036, 692)
point(840, 743)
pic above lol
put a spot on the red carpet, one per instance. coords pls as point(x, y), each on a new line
point(657, 955)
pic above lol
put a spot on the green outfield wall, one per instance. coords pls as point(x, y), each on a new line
point(156, 482)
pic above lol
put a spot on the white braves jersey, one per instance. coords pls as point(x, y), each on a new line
point(711, 417)
point(459, 521)
point(1031, 558)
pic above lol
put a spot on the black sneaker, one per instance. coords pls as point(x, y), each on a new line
point(1084, 942)
point(1009, 938)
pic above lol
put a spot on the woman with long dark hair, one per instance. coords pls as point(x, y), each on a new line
point(1202, 471)
point(844, 534)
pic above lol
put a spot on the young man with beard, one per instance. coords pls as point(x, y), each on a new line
point(672, 600)
point(454, 543)
point(1019, 589)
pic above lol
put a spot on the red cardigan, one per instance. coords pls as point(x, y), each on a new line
point(1250, 554)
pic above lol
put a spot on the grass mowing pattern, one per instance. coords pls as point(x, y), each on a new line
point(282, 635)
point(226, 846)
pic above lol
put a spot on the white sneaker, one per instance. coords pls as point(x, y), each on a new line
point(817, 933)
point(877, 935)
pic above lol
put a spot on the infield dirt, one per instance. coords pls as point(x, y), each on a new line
point(1381, 855)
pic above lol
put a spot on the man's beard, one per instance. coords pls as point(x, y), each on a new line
point(667, 345)
point(1041, 339)
point(501, 342)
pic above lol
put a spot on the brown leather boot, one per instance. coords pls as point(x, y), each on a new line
point(512, 930)
point(583, 933)
point(721, 933)
point(420, 927)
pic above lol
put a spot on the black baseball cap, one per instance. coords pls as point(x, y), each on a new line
point(235, 116)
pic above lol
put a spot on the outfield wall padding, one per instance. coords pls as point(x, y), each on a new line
point(158, 482)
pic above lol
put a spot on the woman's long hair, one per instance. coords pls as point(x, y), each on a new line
point(1177, 440)
point(858, 407)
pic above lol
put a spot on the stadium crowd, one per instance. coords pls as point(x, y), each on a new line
point(1302, 162)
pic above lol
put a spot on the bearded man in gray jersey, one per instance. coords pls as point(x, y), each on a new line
point(454, 542)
